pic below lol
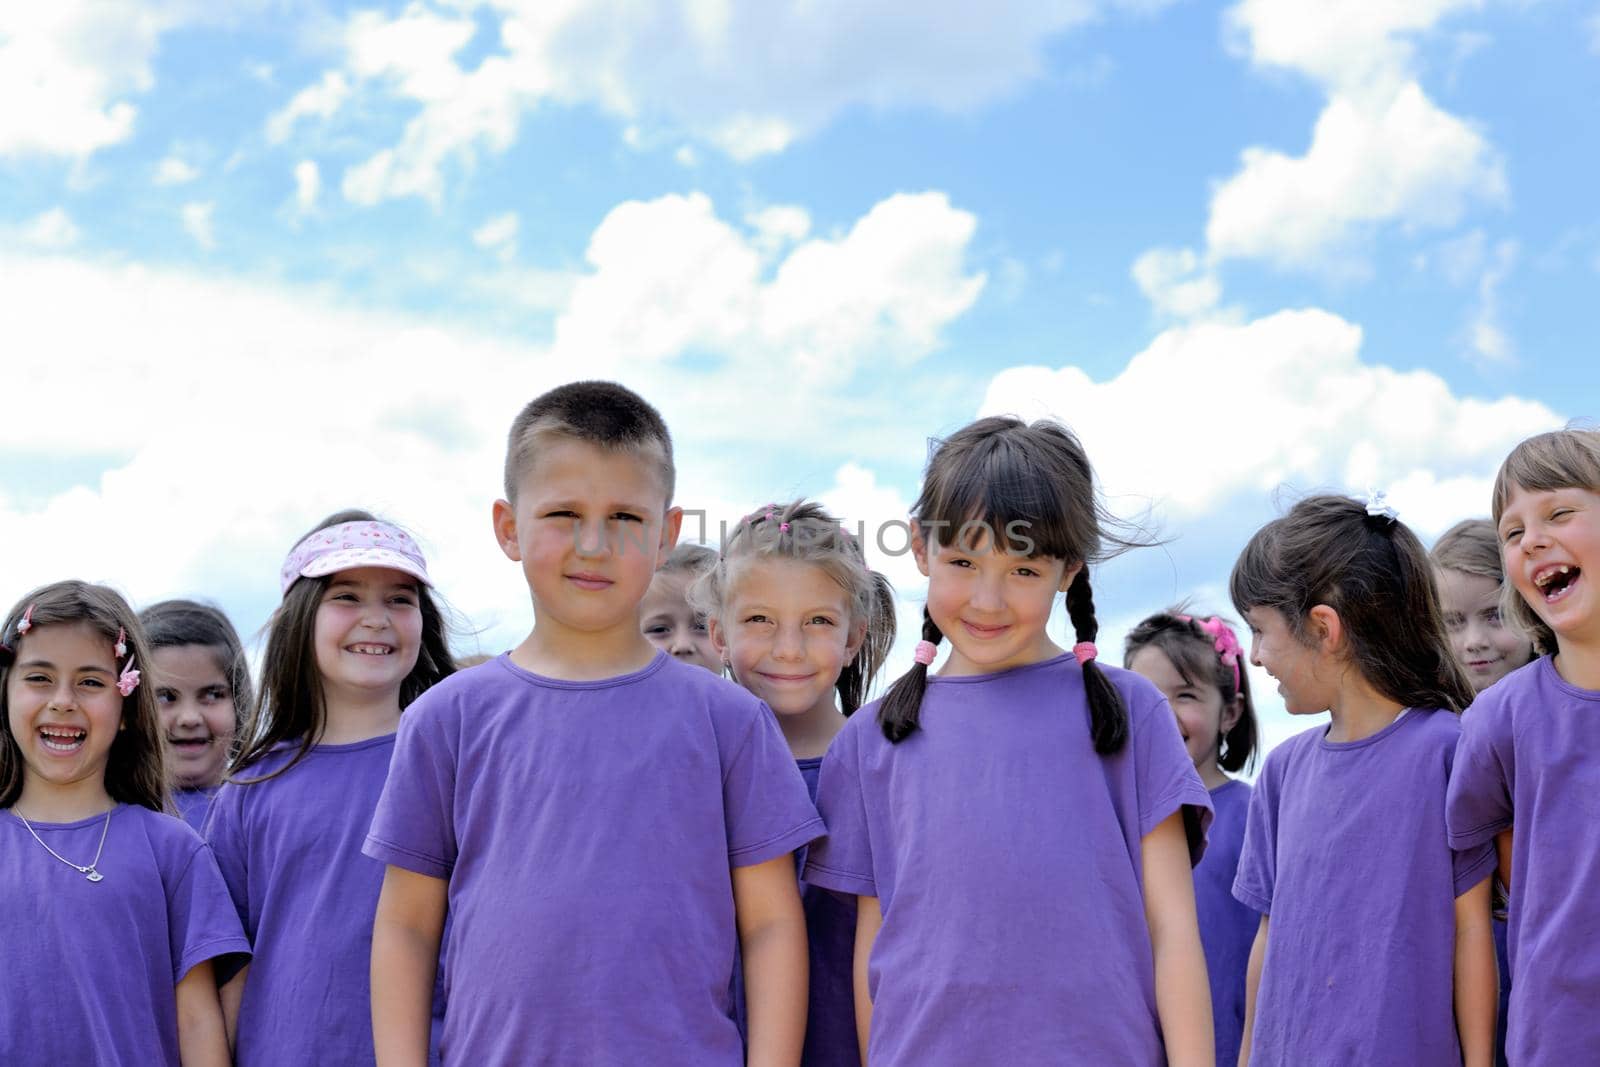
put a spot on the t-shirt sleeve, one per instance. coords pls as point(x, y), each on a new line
point(228, 841)
point(842, 861)
point(201, 921)
point(1478, 801)
point(1256, 879)
point(766, 807)
point(1165, 775)
point(414, 824)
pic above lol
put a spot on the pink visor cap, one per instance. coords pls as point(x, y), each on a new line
point(354, 544)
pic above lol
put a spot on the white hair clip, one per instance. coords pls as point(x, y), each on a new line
point(1378, 505)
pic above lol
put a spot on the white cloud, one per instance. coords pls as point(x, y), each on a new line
point(307, 185)
point(1176, 282)
point(1487, 336)
point(498, 235)
point(50, 231)
point(173, 170)
point(199, 223)
point(321, 100)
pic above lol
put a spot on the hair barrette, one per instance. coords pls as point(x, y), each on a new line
point(128, 680)
point(27, 621)
point(1377, 503)
point(122, 644)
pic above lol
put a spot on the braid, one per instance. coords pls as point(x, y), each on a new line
point(902, 704)
point(1108, 716)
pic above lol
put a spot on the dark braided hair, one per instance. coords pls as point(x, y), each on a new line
point(1028, 488)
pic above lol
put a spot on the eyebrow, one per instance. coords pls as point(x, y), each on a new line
point(88, 669)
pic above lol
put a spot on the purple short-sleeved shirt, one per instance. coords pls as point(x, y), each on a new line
point(587, 830)
point(831, 930)
point(1006, 858)
point(1530, 755)
point(1345, 849)
point(1227, 927)
point(290, 850)
point(194, 805)
point(88, 969)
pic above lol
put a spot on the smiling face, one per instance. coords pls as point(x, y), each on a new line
point(1307, 675)
point(786, 633)
point(1550, 545)
point(992, 606)
point(589, 526)
point(1197, 705)
point(63, 707)
point(197, 712)
point(368, 633)
point(671, 624)
point(1483, 645)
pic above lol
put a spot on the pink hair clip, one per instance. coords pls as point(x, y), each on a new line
point(1084, 651)
point(1223, 639)
point(122, 644)
point(128, 680)
point(925, 652)
point(783, 527)
point(27, 621)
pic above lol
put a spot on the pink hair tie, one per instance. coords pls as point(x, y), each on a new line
point(925, 652)
point(1085, 651)
point(27, 621)
point(128, 680)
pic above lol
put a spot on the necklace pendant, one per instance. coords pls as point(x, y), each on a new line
point(94, 875)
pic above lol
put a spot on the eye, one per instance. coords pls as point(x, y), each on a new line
point(346, 596)
point(404, 599)
point(627, 516)
point(959, 562)
point(37, 678)
point(1511, 534)
point(561, 513)
point(699, 625)
point(655, 631)
point(166, 696)
point(92, 683)
point(1492, 616)
point(822, 620)
point(1453, 621)
point(215, 695)
point(756, 618)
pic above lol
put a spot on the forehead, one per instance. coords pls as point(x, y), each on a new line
point(66, 645)
point(564, 467)
point(1461, 588)
point(182, 665)
point(1264, 618)
point(784, 581)
point(1153, 662)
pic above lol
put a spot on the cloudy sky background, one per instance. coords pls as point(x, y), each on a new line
point(263, 260)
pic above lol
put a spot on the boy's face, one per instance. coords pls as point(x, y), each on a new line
point(589, 526)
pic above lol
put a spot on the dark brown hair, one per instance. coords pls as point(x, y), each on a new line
point(177, 623)
point(1027, 488)
point(1563, 459)
point(291, 706)
point(804, 532)
point(1193, 654)
point(136, 766)
point(603, 414)
point(1373, 571)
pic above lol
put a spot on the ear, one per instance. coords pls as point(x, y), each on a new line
point(919, 547)
point(505, 529)
point(1232, 712)
point(719, 637)
point(1068, 576)
point(1325, 629)
point(671, 526)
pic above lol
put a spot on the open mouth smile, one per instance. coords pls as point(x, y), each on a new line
point(368, 649)
point(1556, 580)
point(191, 744)
point(63, 739)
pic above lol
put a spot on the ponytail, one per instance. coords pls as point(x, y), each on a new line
point(1108, 715)
point(857, 675)
point(901, 706)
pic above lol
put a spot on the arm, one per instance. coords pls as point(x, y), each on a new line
point(1502, 848)
point(772, 945)
point(405, 957)
point(232, 995)
point(202, 1039)
point(1477, 984)
point(1252, 982)
point(1183, 995)
point(869, 917)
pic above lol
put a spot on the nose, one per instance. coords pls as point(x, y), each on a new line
point(986, 595)
point(682, 642)
point(1255, 651)
point(592, 541)
point(1476, 636)
point(64, 696)
point(787, 644)
point(188, 713)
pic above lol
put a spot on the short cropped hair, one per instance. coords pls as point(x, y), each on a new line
point(604, 414)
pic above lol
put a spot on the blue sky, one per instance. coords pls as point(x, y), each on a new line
point(264, 264)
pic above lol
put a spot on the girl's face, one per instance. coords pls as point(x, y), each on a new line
point(368, 633)
point(63, 706)
point(197, 712)
point(1197, 705)
point(1485, 648)
point(1550, 544)
point(993, 606)
point(1307, 675)
point(786, 633)
point(672, 625)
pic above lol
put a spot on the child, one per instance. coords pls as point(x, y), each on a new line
point(608, 822)
point(1015, 827)
point(1198, 665)
point(202, 686)
point(804, 624)
point(669, 621)
point(357, 638)
point(112, 914)
point(1528, 769)
point(1374, 944)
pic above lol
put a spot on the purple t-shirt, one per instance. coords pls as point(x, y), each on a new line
point(290, 850)
point(1227, 927)
point(1530, 754)
point(88, 969)
point(194, 805)
point(1345, 849)
point(831, 929)
point(1006, 858)
point(588, 831)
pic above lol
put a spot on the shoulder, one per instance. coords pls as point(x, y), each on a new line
point(1286, 754)
point(1437, 726)
point(1140, 694)
point(1535, 681)
point(173, 841)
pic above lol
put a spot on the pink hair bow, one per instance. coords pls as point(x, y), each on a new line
point(128, 680)
point(1224, 641)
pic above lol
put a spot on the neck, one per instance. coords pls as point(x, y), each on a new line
point(809, 734)
point(1360, 710)
point(573, 656)
point(958, 665)
point(62, 802)
point(1578, 665)
point(1211, 773)
point(356, 717)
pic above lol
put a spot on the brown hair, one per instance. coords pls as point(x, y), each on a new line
point(603, 414)
point(804, 532)
point(176, 623)
point(290, 706)
point(1193, 654)
point(1562, 459)
point(691, 560)
point(1471, 547)
point(136, 767)
point(1373, 571)
point(1026, 487)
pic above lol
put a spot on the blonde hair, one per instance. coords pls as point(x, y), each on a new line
point(1471, 547)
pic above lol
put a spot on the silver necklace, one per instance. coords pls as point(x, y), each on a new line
point(88, 872)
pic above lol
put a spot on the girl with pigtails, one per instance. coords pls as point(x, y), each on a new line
point(1018, 826)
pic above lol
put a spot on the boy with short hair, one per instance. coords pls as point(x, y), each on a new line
point(608, 825)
